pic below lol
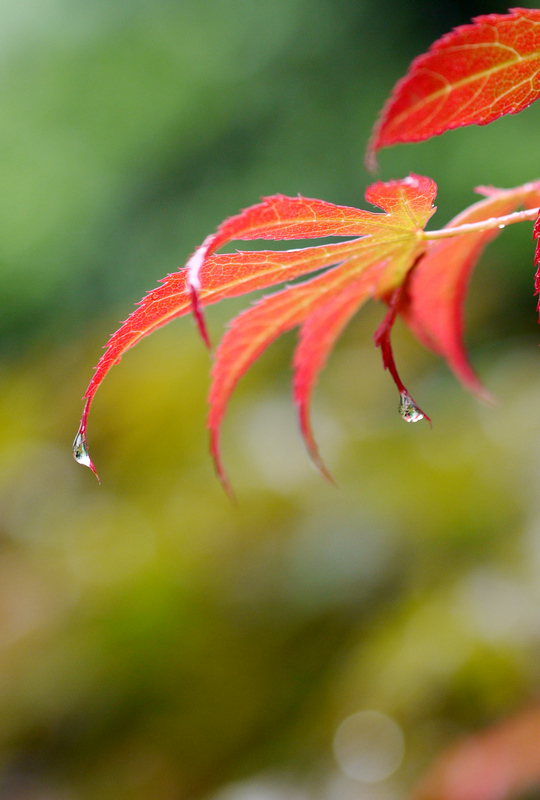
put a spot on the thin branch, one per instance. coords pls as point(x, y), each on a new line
point(529, 214)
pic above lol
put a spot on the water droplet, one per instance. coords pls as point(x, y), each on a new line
point(501, 227)
point(80, 451)
point(408, 409)
point(411, 180)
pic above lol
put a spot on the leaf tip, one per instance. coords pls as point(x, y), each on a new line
point(198, 314)
point(536, 238)
point(370, 159)
point(194, 265)
point(218, 464)
point(311, 444)
point(409, 411)
point(80, 450)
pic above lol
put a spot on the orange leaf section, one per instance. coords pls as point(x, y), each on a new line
point(281, 217)
point(255, 329)
point(317, 337)
point(222, 276)
point(501, 762)
point(437, 286)
point(473, 75)
point(324, 305)
point(390, 239)
point(407, 205)
point(408, 409)
point(536, 237)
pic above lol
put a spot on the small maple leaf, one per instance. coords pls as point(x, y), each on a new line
point(472, 75)
point(391, 258)
point(432, 305)
point(373, 264)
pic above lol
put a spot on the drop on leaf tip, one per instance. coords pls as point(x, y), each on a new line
point(80, 452)
point(408, 409)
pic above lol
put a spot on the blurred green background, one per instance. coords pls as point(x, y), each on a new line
point(155, 640)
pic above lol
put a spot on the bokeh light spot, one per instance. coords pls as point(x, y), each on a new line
point(369, 746)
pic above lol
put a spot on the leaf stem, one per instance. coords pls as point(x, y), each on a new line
point(529, 214)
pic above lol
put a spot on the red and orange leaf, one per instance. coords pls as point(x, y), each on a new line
point(408, 409)
point(276, 217)
point(229, 275)
point(223, 276)
point(408, 203)
point(281, 217)
point(318, 335)
point(384, 258)
point(409, 206)
point(207, 278)
point(255, 329)
point(437, 286)
point(473, 75)
point(536, 237)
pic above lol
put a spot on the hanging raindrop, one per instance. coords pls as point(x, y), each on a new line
point(408, 409)
point(80, 451)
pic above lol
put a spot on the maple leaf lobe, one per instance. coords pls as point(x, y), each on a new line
point(322, 306)
point(373, 264)
point(436, 289)
point(390, 259)
point(536, 236)
point(472, 75)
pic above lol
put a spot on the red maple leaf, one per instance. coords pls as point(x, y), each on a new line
point(374, 264)
point(473, 75)
point(435, 294)
point(421, 275)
